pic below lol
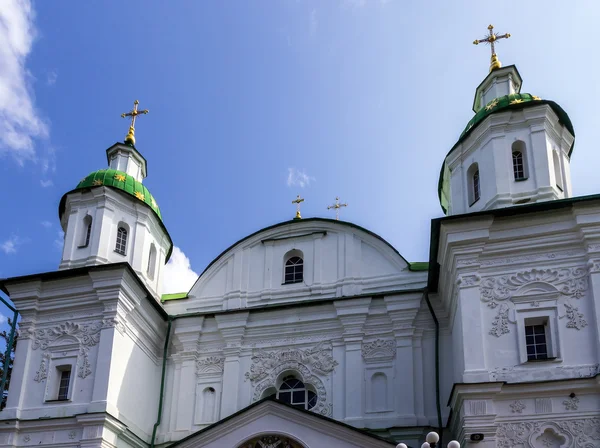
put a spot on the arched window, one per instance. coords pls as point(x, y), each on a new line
point(519, 160)
point(294, 392)
point(557, 171)
point(294, 270)
point(474, 184)
point(151, 261)
point(121, 245)
point(87, 231)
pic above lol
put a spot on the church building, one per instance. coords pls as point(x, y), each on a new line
point(318, 333)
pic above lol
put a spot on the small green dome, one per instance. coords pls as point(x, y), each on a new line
point(513, 101)
point(121, 181)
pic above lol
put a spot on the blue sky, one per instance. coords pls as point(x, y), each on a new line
point(360, 99)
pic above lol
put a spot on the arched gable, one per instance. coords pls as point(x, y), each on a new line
point(339, 259)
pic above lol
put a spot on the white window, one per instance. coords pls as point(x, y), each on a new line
point(64, 382)
point(557, 170)
point(519, 160)
point(474, 186)
point(294, 392)
point(86, 231)
point(294, 267)
point(151, 261)
point(536, 340)
point(121, 246)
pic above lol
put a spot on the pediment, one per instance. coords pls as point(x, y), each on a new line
point(339, 259)
point(269, 423)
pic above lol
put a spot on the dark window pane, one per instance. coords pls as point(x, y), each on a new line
point(285, 386)
point(540, 339)
point(529, 339)
point(285, 397)
point(530, 350)
point(528, 330)
point(299, 396)
point(312, 399)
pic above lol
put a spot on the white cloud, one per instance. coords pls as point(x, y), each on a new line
point(3, 319)
point(46, 224)
point(178, 275)
point(313, 23)
point(298, 178)
point(11, 245)
point(60, 240)
point(46, 183)
point(20, 123)
point(52, 76)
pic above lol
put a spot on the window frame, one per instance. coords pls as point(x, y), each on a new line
point(294, 268)
point(121, 227)
point(292, 391)
point(558, 174)
point(519, 147)
point(64, 395)
point(473, 189)
point(546, 312)
point(152, 256)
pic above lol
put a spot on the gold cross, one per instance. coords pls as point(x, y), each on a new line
point(130, 137)
point(491, 39)
point(337, 207)
point(297, 201)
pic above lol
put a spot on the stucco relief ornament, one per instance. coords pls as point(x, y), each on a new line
point(308, 363)
point(87, 335)
point(569, 282)
point(42, 373)
point(582, 433)
point(379, 349)
point(571, 403)
point(517, 407)
point(212, 364)
point(574, 318)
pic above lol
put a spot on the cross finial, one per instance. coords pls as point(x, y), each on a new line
point(297, 201)
point(337, 207)
point(490, 39)
point(130, 137)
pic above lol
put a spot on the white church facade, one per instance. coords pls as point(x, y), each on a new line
point(317, 333)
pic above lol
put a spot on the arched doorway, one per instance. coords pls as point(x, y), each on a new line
point(271, 441)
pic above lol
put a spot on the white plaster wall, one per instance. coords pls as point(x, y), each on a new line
point(490, 146)
point(339, 260)
point(108, 208)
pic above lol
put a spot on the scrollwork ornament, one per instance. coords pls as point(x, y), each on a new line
point(42, 373)
point(517, 407)
point(379, 349)
point(580, 433)
point(501, 321)
point(87, 335)
point(212, 364)
point(308, 363)
point(574, 318)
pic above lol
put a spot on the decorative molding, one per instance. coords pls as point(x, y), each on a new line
point(42, 373)
point(212, 364)
point(309, 364)
point(571, 403)
point(72, 434)
point(499, 291)
point(570, 282)
point(580, 433)
point(543, 405)
point(468, 281)
point(519, 374)
point(477, 407)
point(87, 335)
point(467, 262)
point(574, 318)
point(526, 258)
point(517, 407)
point(379, 350)
point(270, 442)
point(26, 438)
point(594, 266)
point(500, 323)
point(318, 357)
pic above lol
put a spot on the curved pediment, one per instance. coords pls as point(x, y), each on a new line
point(326, 258)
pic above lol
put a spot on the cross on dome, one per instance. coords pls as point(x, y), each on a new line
point(490, 39)
point(130, 137)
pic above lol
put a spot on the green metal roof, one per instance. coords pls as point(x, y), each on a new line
point(175, 296)
point(514, 101)
point(120, 180)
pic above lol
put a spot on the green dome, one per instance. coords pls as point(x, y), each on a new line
point(124, 182)
point(504, 103)
point(121, 181)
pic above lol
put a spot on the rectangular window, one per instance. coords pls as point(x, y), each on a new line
point(536, 342)
point(63, 387)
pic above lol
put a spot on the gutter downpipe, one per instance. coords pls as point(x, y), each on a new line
point(9, 345)
point(162, 383)
point(437, 366)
